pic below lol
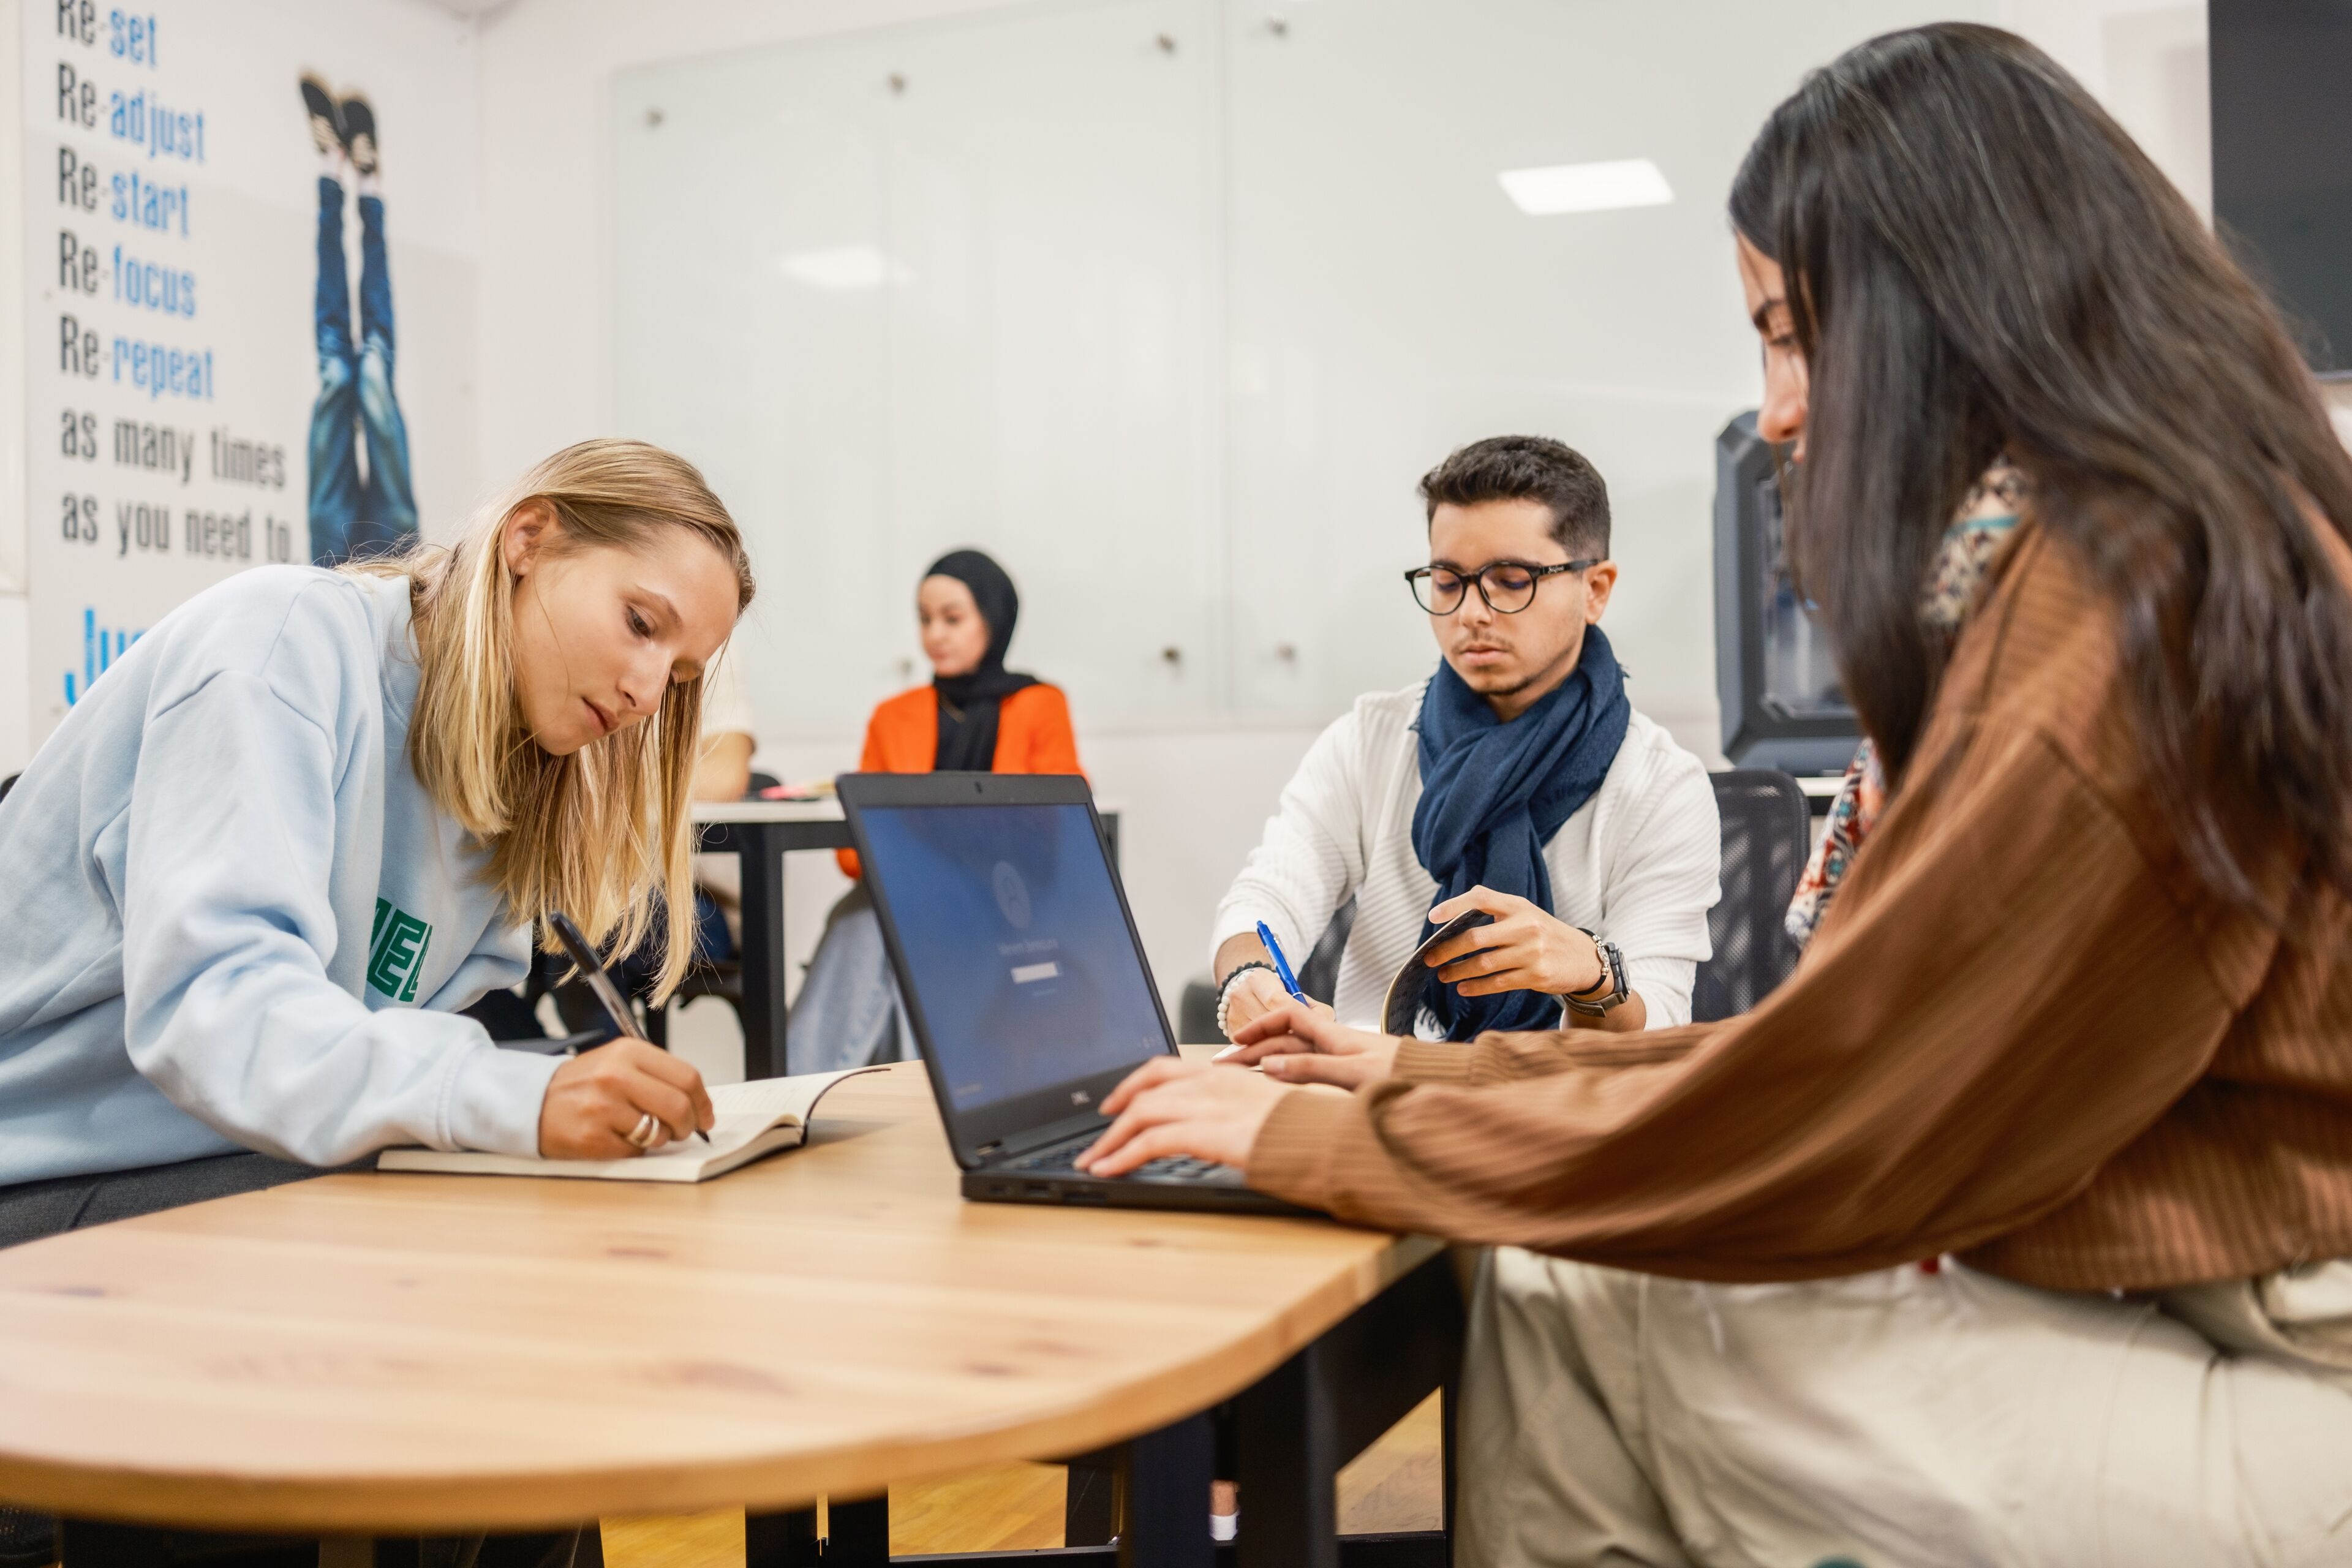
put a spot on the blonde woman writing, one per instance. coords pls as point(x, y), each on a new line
point(251, 878)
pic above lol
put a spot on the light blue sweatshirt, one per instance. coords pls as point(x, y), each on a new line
point(230, 917)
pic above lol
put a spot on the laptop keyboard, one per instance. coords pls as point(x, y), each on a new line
point(1065, 1157)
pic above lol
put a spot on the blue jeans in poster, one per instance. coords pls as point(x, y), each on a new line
point(350, 517)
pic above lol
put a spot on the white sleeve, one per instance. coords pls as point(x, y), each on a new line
point(726, 704)
point(1662, 883)
point(227, 934)
point(1312, 856)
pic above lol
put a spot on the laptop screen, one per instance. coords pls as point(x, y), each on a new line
point(1021, 960)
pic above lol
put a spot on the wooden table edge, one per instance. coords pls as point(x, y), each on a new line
point(427, 1503)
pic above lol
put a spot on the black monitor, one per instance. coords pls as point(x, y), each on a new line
point(2282, 93)
point(1783, 704)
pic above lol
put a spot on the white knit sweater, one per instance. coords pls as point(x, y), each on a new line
point(1636, 863)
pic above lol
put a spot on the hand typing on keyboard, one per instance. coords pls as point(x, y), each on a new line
point(1065, 1157)
point(1170, 1108)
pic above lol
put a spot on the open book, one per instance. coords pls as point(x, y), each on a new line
point(752, 1118)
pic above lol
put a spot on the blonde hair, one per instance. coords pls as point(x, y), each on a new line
point(597, 832)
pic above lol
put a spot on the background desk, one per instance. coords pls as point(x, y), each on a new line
point(759, 834)
point(1820, 790)
point(410, 1354)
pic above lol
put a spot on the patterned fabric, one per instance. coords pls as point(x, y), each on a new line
point(1977, 532)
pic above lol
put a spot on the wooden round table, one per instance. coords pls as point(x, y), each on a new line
point(412, 1353)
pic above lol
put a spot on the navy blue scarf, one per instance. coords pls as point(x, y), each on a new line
point(1492, 795)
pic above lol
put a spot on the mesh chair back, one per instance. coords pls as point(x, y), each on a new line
point(1320, 975)
point(27, 1539)
point(1767, 834)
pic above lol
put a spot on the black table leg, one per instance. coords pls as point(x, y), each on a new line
point(1090, 1498)
point(1299, 1424)
point(1168, 1475)
point(760, 850)
point(780, 1540)
point(857, 1533)
point(1290, 1462)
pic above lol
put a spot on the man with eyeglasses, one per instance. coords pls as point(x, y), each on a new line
point(1516, 780)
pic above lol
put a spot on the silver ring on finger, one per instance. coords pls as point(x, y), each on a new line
point(647, 1128)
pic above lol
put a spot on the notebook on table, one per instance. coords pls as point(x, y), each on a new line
point(1408, 993)
point(752, 1118)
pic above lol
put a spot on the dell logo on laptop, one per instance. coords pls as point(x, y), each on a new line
point(1079, 1097)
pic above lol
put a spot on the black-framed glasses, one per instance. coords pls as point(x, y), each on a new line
point(1507, 586)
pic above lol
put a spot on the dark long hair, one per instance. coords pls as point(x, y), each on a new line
point(1978, 259)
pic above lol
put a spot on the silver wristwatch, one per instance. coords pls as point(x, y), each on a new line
point(1610, 989)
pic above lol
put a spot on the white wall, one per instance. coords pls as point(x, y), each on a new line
point(16, 629)
point(1193, 801)
point(1194, 798)
point(547, 67)
point(2145, 63)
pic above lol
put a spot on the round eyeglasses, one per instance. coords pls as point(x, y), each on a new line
point(1507, 586)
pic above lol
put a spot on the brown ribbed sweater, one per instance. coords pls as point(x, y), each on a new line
point(2023, 1034)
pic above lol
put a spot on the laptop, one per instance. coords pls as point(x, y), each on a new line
point(1025, 984)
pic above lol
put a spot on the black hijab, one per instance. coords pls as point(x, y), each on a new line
point(968, 703)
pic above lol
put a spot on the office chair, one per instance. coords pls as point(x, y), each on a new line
point(27, 1538)
point(8, 784)
point(1320, 975)
point(1768, 833)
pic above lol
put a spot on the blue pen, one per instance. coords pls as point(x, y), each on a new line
point(1281, 965)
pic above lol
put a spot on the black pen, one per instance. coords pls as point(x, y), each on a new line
point(592, 969)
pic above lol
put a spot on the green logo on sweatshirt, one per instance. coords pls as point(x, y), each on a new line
point(397, 952)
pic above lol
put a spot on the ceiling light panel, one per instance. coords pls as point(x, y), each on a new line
point(1586, 187)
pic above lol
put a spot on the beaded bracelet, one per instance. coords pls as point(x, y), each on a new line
point(1225, 990)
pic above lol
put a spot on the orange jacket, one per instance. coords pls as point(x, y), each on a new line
point(1033, 736)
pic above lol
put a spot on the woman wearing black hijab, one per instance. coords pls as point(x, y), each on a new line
point(975, 716)
point(983, 717)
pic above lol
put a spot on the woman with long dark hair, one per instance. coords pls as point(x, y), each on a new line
point(2017, 1226)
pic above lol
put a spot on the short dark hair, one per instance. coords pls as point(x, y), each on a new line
point(1528, 468)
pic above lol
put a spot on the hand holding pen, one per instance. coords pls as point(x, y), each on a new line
point(627, 1095)
point(1256, 992)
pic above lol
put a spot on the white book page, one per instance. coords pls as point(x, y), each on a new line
point(741, 1112)
point(744, 1113)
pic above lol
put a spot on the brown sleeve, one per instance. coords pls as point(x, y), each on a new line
point(1432, 1061)
point(1507, 1058)
point(2015, 1000)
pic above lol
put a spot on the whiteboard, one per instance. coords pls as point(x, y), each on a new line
point(932, 287)
point(1387, 302)
point(1174, 326)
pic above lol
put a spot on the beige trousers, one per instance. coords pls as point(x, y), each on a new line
point(1903, 1417)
